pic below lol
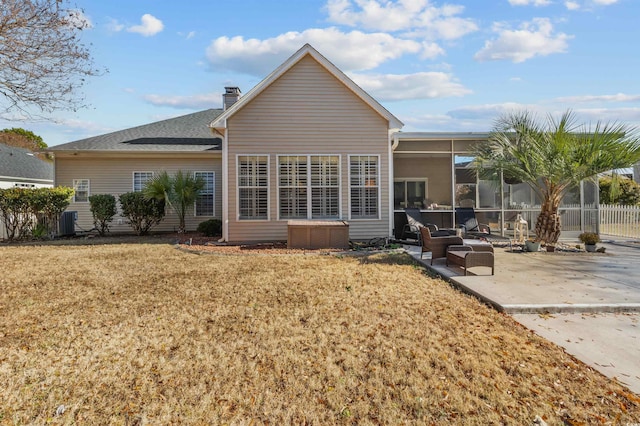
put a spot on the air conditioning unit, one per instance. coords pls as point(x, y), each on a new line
point(68, 223)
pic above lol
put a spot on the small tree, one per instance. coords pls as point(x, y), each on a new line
point(103, 209)
point(552, 157)
point(179, 191)
point(141, 212)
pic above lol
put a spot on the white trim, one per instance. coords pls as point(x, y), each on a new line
point(268, 187)
point(390, 177)
point(225, 186)
point(88, 189)
point(16, 178)
point(379, 186)
point(213, 194)
point(133, 178)
point(221, 121)
point(309, 187)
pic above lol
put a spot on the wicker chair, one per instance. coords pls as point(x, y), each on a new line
point(436, 245)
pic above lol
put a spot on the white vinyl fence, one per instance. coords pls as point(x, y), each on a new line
point(621, 221)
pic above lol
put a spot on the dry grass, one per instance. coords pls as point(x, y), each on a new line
point(146, 334)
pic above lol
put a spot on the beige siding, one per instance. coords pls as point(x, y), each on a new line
point(307, 111)
point(114, 175)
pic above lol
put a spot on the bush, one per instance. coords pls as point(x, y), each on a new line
point(22, 208)
point(103, 209)
point(142, 213)
point(619, 191)
point(590, 238)
point(211, 227)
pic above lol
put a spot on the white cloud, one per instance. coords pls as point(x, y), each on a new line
point(402, 15)
point(423, 85)
point(149, 26)
point(208, 100)
point(605, 2)
point(572, 5)
point(535, 38)
point(114, 26)
point(529, 2)
point(187, 36)
point(618, 97)
point(348, 51)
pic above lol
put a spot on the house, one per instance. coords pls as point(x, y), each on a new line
point(305, 143)
point(19, 167)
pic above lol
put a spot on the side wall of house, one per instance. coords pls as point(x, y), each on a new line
point(114, 175)
point(307, 111)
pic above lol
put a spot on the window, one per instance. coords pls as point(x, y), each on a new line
point(81, 187)
point(140, 179)
point(411, 193)
point(364, 184)
point(253, 187)
point(309, 186)
point(204, 204)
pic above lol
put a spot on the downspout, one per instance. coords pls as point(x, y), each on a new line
point(225, 187)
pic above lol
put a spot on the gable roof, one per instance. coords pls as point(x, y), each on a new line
point(187, 133)
point(220, 122)
point(20, 163)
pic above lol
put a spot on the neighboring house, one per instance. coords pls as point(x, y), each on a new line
point(19, 167)
point(305, 143)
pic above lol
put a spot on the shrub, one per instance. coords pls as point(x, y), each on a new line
point(619, 190)
point(103, 209)
point(211, 227)
point(142, 213)
point(22, 208)
point(590, 238)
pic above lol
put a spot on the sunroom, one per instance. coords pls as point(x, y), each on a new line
point(432, 172)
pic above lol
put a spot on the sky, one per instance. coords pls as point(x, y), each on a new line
point(438, 66)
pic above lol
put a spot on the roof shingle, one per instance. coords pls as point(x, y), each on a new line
point(186, 133)
point(21, 163)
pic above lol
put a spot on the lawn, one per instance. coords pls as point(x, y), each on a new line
point(147, 334)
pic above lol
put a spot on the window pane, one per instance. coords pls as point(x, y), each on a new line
point(81, 186)
point(253, 179)
point(204, 203)
point(140, 179)
point(364, 187)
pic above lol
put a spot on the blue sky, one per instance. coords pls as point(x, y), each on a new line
point(438, 66)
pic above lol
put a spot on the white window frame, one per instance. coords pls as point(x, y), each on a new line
point(76, 183)
point(133, 180)
point(405, 181)
point(378, 186)
point(310, 187)
point(267, 187)
point(212, 194)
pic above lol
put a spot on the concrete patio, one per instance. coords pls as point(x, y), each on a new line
point(588, 303)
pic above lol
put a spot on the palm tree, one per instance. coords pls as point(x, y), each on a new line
point(179, 191)
point(552, 157)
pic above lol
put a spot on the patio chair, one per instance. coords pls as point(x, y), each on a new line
point(437, 245)
point(414, 224)
point(471, 228)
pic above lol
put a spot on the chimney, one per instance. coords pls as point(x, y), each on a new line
point(230, 97)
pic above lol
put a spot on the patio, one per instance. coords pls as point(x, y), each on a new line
point(588, 303)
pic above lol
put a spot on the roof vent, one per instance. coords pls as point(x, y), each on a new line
point(230, 97)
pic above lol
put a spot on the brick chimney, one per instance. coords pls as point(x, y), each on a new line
point(230, 97)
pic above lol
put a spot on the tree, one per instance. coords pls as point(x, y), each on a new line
point(552, 157)
point(616, 189)
point(179, 191)
point(42, 60)
point(22, 138)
